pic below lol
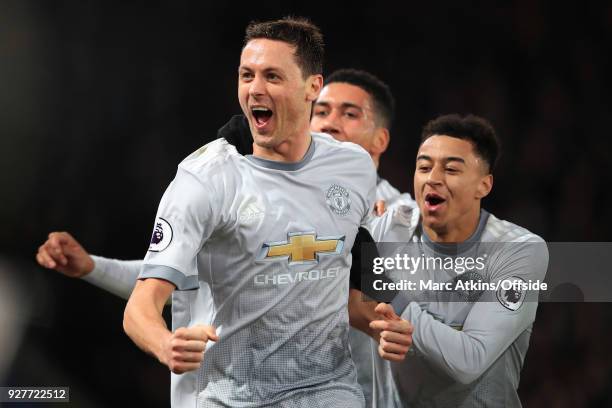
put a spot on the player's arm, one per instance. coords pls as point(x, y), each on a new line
point(182, 350)
point(490, 327)
point(392, 333)
point(363, 297)
point(361, 307)
point(63, 253)
point(395, 338)
point(185, 219)
point(115, 275)
point(361, 312)
point(237, 133)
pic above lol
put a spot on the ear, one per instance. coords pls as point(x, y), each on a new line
point(380, 141)
point(484, 186)
point(314, 84)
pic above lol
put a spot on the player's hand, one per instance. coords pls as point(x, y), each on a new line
point(395, 333)
point(380, 207)
point(184, 349)
point(64, 254)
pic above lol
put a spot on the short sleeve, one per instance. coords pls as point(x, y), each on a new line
point(186, 217)
point(370, 196)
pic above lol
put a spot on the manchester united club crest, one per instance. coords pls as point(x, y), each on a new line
point(337, 198)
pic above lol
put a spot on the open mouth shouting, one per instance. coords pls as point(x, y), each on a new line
point(262, 116)
point(433, 201)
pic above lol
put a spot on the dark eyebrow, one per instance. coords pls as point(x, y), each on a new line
point(273, 69)
point(350, 105)
point(454, 159)
point(446, 159)
point(242, 69)
point(266, 70)
point(343, 105)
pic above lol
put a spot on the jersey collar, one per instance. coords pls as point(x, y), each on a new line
point(276, 165)
point(457, 248)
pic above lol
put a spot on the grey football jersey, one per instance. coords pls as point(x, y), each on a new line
point(392, 196)
point(266, 246)
point(465, 353)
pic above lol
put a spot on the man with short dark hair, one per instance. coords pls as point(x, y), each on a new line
point(356, 106)
point(469, 344)
point(266, 239)
point(300, 33)
point(353, 106)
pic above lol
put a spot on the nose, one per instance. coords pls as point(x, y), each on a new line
point(331, 130)
point(435, 176)
point(257, 87)
point(331, 126)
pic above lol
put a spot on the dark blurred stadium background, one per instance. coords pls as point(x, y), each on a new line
point(100, 100)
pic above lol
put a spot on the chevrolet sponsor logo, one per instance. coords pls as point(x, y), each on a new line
point(301, 248)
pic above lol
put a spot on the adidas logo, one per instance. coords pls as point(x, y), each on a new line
point(250, 213)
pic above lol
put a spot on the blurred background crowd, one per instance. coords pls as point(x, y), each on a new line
point(99, 101)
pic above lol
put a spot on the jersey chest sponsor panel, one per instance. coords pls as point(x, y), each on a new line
point(294, 251)
point(273, 278)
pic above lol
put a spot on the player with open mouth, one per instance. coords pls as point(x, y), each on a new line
point(261, 116)
point(433, 201)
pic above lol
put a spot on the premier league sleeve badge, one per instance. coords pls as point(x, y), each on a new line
point(162, 235)
point(511, 293)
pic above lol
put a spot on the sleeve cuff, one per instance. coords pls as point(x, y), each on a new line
point(399, 303)
point(177, 278)
point(97, 272)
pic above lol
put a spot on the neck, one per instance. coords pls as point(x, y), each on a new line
point(290, 150)
point(455, 232)
point(376, 160)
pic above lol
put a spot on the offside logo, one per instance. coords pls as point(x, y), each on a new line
point(301, 248)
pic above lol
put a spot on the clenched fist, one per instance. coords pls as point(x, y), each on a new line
point(64, 254)
point(184, 349)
